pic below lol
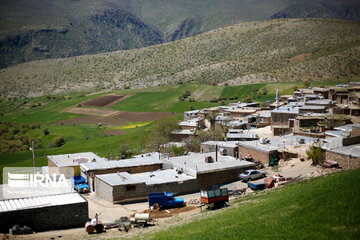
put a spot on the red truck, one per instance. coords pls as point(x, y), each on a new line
point(215, 198)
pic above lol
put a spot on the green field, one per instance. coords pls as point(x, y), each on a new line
point(91, 137)
point(320, 208)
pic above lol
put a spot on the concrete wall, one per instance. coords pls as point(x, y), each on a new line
point(47, 218)
point(133, 192)
point(63, 170)
point(345, 162)
point(90, 175)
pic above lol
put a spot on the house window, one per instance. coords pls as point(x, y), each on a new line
point(130, 188)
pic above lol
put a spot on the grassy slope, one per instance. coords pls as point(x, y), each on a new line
point(91, 138)
point(240, 54)
point(320, 208)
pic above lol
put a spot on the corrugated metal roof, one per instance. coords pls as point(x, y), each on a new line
point(38, 202)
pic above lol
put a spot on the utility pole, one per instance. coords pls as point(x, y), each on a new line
point(32, 148)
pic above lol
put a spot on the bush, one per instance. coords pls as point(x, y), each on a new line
point(125, 151)
point(57, 141)
point(46, 131)
point(316, 154)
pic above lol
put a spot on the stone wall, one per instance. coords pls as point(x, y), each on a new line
point(355, 131)
point(257, 155)
point(219, 177)
point(47, 218)
point(103, 190)
point(345, 162)
point(133, 192)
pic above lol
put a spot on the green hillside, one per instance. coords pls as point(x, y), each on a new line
point(253, 52)
point(320, 208)
point(42, 29)
point(25, 120)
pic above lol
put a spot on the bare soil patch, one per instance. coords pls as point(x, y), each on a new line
point(141, 116)
point(92, 111)
point(114, 121)
point(172, 212)
point(118, 100)
point(299, 58)
point(101, 101)
point(114, 132)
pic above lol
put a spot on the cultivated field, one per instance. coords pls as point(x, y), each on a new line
point(101, 101)
point(125, 122)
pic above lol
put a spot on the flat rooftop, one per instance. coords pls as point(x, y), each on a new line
point(39, 202)
point(183, 132)
point(148, 178)
point(320, 102)
point(74, 159)
point(352, 150)
point(278, 143)
point(132, 162)
point(247, 135)
point(346, 127)
point(227, 144)
point(196, 162)
point(286, 109)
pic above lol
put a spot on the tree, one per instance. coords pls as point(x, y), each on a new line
point(193, 144)
point(125, 151)
point(316, 154)
point(160, 132)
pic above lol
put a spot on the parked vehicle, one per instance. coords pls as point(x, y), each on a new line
point(251, 175)
point(79, 184)
point(165, 200)
point(215, 198)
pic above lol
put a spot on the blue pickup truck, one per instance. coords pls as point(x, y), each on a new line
point(79, 184)
point(165, 200)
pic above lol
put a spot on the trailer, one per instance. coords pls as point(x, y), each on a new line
point(214, 198)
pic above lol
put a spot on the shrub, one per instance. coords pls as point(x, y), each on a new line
point(316, 154)
point(57, 141)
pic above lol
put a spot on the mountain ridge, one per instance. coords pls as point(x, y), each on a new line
point(274, 50)
point(130, 24)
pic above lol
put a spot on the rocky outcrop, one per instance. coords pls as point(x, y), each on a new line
point(120, 22)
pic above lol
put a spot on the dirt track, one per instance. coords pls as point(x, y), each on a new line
point(141, 116)
point(94, 120)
